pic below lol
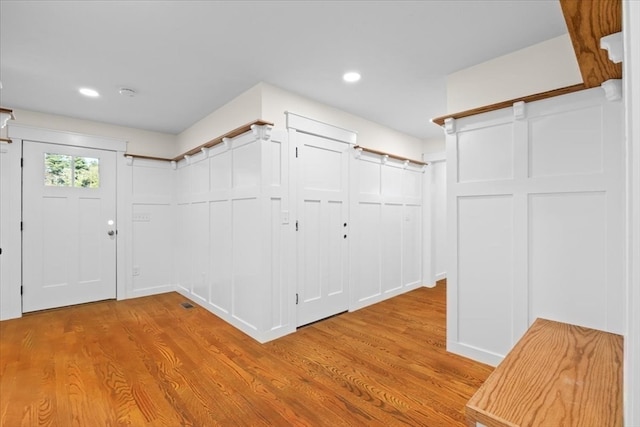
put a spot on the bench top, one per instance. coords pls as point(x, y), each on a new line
point(556, 375)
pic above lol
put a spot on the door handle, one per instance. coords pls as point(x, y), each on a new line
point(111, 233)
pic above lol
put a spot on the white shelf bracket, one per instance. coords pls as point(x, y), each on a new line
point(174, 165)
point(226, 142)
point(519, 110)
point(205, 151)
point(612, 89)
point(405, 164)
point(187, 158)
point(384, 159)
point(357, 152)
point(261, 132)
point(613, 44)
point(129, 160)
point(450, 125)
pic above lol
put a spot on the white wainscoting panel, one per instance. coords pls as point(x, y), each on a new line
point(231, 255)
point(567, 258)
point(386, 228)
point(485, 256)
point(151, 246)
point(485, 154)
point(535, 222)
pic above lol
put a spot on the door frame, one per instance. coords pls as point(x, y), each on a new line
point(296, 124)
point(11, 289)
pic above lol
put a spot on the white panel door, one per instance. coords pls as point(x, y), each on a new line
point(322, 228)
point(69, 235)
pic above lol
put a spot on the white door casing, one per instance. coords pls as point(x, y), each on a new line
point(69, 232)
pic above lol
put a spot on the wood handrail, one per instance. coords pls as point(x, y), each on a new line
point(212, 143)
point(505, 104)
point(393, 156)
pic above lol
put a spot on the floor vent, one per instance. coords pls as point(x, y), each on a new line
point(186, 305)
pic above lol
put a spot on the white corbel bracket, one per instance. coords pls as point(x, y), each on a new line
point(187, 158)
point(612, 89)
point(357, 152)
point(261, 132)
point(519, 110)
point(423, 169)
point(129, 160)
point(226, 142)
point(174, 165)
point(205, 151)
point(613, 44)
point(450, 125)
point(384, 159)
point(405, 164)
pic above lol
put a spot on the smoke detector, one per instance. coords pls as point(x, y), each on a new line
point(125, 91)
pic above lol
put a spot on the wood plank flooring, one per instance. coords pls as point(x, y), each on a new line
point(150, 362)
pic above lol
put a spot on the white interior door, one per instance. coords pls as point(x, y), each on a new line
point(69, 230)
point(322, 227)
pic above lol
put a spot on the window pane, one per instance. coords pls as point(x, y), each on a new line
point(57, 170)
point(87, 172)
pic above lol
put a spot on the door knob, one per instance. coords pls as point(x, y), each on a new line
point(111, 232)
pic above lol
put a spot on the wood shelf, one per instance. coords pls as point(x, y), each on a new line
point(7, 140)
point(212, 143)
point(392, 156)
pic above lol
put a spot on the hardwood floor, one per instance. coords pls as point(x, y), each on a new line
point(150, 362)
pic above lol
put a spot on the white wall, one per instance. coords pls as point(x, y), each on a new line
point(245, 108)
point(535, 215)
point(539, 68)
point(276, 101)
point(138, 141)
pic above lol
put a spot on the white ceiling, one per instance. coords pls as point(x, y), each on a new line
point(188, 58)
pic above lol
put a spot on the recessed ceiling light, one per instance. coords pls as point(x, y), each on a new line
point(89, 92)
point(351, 76)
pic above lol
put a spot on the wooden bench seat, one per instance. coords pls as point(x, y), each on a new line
point(557, 375)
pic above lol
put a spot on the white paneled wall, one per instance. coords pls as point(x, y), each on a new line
point(386, 225)
point(230, 255)
point(535, 221)
point(151, 244)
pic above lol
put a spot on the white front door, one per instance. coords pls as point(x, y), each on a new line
point(69, 230)
point(322, 227)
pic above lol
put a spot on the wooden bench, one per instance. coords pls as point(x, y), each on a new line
point(557, 375)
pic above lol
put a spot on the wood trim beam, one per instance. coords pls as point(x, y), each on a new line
point(231, 134)
point(588, 22)
point(507, 104)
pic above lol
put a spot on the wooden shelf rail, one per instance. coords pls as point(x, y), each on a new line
point(392, 156)
point(7, 140)
point(212, 143)
point(505, 104)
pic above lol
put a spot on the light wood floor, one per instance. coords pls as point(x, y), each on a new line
point(150, 362)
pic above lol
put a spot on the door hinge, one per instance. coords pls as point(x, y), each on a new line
point(21, 162)
point(296, 225)
point(0, 251)
point(21, 226)
point(21, 290)
point(296, 152)
point(296, 299)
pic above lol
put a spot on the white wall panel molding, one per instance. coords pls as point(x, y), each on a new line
point(315, 127)
point(30, 133)
point(535, 221)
